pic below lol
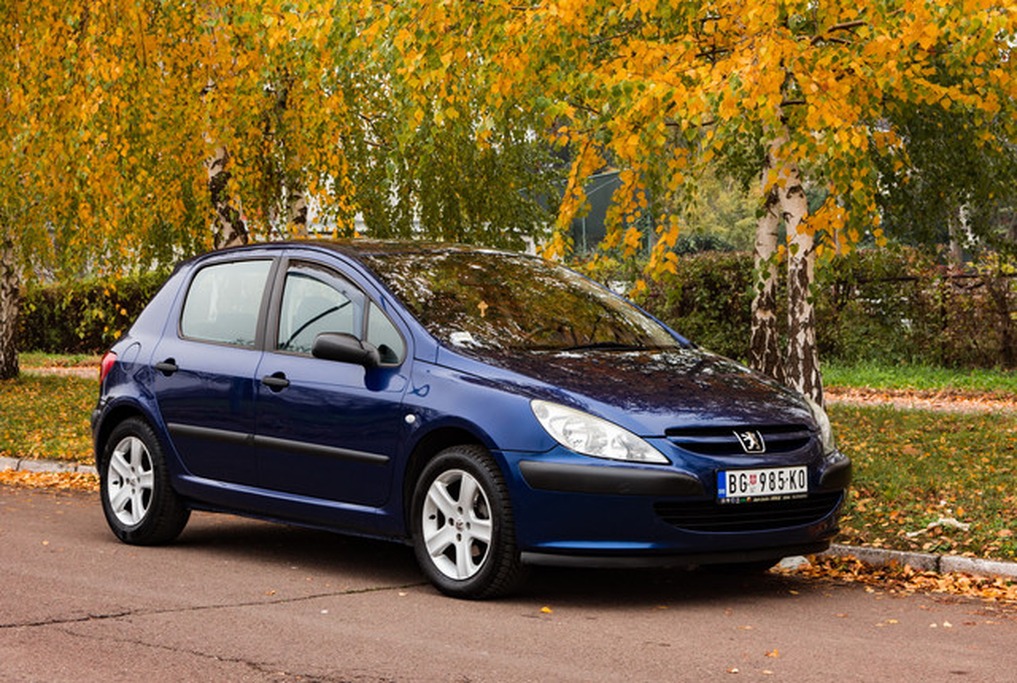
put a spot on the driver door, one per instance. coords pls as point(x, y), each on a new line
point(326, 429)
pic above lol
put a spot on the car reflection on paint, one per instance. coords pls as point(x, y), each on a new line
point(493, 410)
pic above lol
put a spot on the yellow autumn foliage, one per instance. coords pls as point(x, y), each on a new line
point(112, 109)
point(661, 89)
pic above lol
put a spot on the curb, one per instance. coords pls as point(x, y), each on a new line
point(940, 564)
point(878, 557)
point(30, 465)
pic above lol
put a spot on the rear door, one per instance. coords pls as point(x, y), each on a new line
point(205, 369)
point(327, 429)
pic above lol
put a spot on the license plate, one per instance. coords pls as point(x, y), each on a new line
point(739, 486)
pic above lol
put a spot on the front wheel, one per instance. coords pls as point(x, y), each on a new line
point(463, 531)
point(141, 507)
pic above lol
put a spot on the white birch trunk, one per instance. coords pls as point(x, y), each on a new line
point(960, 235)
point(10, 285)
point(296, 211)
point(801, 367)
point(764, 347)
point(228, 228)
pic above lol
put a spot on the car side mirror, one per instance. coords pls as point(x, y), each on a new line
point(345, 348)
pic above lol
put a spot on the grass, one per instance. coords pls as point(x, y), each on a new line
point(919, 378)
point(38, 359)
point(46, 417)
point(912, 468)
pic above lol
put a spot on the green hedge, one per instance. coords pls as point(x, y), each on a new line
point(901, 307)
point(709, 301)
point(84, 316)
point(885, 306)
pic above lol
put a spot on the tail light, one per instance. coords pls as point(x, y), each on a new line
point(106, 365)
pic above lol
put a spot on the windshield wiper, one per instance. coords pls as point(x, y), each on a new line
point(606, 346)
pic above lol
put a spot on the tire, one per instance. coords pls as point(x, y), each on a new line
point(462, 525)
point(141, 507)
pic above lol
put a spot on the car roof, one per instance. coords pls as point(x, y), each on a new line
point(361, 247)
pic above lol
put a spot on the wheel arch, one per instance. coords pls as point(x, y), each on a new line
point(430, 445)
point(113, 416)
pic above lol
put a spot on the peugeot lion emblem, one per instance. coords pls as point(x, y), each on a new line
point(751, 441)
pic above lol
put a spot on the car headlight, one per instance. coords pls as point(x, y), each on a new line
point(593, 436)
point(825, 429)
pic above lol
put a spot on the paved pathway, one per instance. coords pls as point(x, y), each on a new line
point(945, 401)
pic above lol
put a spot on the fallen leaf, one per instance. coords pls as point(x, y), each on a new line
point(77, 481)
point(773, 654)
point(904, 580)
point(546, 610)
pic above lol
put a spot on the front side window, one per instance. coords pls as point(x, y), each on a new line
point(316, 300)
point(224, 301)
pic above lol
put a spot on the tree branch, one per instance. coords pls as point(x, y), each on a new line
point(607, 39)
point(825, 36)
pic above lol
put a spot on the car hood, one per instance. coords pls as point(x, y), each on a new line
point(650, 391)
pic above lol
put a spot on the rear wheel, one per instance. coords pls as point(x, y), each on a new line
point(141, 507)
point(463, 531)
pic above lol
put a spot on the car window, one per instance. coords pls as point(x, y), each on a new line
point(223, 302)
point(316, 300)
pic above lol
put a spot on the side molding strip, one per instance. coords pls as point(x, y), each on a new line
point(240, 438)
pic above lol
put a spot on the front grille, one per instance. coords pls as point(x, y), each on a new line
point(724, 441)
point(766, 515)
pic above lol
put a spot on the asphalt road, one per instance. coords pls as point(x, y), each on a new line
point(238, 600)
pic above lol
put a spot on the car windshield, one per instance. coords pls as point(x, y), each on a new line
point(492, 301)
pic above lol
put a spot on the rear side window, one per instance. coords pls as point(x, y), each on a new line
point(224, 301)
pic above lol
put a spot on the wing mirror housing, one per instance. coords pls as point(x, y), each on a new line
point(345, 348)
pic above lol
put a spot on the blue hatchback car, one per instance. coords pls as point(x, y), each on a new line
point(494, 410)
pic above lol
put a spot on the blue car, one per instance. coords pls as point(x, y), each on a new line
point(493, 410)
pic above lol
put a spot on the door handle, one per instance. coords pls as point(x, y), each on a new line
point(276, 381)
point(167, 367)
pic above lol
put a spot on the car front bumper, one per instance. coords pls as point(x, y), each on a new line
point(569, 510)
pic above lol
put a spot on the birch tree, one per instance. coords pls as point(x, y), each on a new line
point(116, 151)
point(139, 131)
point(936, 191)
point(797, 93)
point(447, 119)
